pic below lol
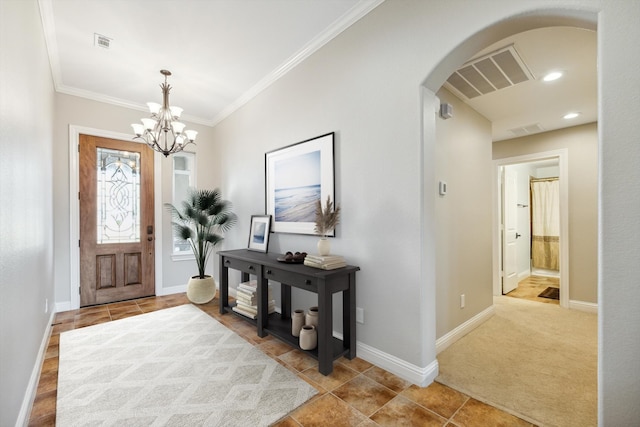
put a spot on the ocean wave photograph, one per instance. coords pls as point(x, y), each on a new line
point(297, 204)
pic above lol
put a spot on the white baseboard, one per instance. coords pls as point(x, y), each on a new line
point(403, 369)
point(66, 305)
point(449, 338)
point(63, 306)
point(524, 274)
point(32, 386)
point(589, 307)
point(171, 290)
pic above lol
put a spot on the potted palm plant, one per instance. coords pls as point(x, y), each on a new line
point(204, 217)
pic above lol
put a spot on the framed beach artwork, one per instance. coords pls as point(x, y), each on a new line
point(259, 233)
point(296, 177)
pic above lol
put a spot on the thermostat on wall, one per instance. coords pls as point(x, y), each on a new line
point(442, 187)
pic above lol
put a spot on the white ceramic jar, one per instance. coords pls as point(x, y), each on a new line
point(297, 322)
point(312, 317)
point(308, 337)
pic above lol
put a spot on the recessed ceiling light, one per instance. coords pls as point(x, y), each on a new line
point(571, 115)
point(555, 75)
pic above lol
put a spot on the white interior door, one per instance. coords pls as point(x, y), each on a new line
point(509, 234)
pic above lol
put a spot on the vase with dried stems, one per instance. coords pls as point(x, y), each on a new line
point(327, 219)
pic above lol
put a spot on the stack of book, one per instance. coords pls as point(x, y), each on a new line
point(328, 262)
point(247, 299)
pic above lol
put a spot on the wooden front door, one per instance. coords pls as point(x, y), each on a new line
point(116, 220)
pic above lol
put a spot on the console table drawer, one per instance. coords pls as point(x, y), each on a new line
point(245, 266)
point(288, 278)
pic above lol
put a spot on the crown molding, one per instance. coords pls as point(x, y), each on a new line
point(354, 14)
point(49, 29)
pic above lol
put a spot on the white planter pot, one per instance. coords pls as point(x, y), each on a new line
point(201, 291)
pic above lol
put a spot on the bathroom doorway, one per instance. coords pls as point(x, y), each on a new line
point(532, 241)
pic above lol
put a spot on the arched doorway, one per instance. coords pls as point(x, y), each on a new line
point(430, 104)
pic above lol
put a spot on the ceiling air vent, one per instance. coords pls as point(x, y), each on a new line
point(527, 130)
point(497, 70)
point(101, 41)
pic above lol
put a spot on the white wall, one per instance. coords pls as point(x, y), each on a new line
point(547, 172)
point(619, 210)
point(26, 214)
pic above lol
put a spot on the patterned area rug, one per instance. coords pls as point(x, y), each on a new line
point(173, 367)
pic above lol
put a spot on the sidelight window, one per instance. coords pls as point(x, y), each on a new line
point(183, 178)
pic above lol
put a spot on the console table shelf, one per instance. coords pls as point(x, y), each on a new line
point(325, 283)
point(281, 328)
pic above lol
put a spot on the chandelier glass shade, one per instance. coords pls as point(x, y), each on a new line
point(162, 131)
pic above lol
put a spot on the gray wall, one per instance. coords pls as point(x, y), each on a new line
point(26, 213)
point(463, 236)
point(582, 145)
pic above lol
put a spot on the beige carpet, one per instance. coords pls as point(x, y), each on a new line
point(537, 361)
point(173, 367)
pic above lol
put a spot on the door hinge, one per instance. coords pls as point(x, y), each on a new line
point(79, 290)
point(78, 242)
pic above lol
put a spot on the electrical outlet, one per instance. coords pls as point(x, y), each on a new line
point(462, 301)
point(359, 315)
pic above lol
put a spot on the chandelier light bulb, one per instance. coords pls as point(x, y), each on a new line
point(148, 124)
point(138, 129)
point(176, 112)
point(163, 132)
point(191, 135)
point(177, 127)
point(154, 108)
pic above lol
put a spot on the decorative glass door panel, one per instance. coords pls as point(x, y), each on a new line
point(118, 196)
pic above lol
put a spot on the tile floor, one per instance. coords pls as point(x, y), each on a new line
point(357, 393)
point(531, 287)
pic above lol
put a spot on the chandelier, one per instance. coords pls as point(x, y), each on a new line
point(163, 132)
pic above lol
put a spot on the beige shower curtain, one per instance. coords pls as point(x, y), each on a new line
point(545, 206)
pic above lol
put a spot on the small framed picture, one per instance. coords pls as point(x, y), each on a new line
point(259, 233)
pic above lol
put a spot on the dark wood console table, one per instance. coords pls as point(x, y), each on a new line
point(265, 267)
